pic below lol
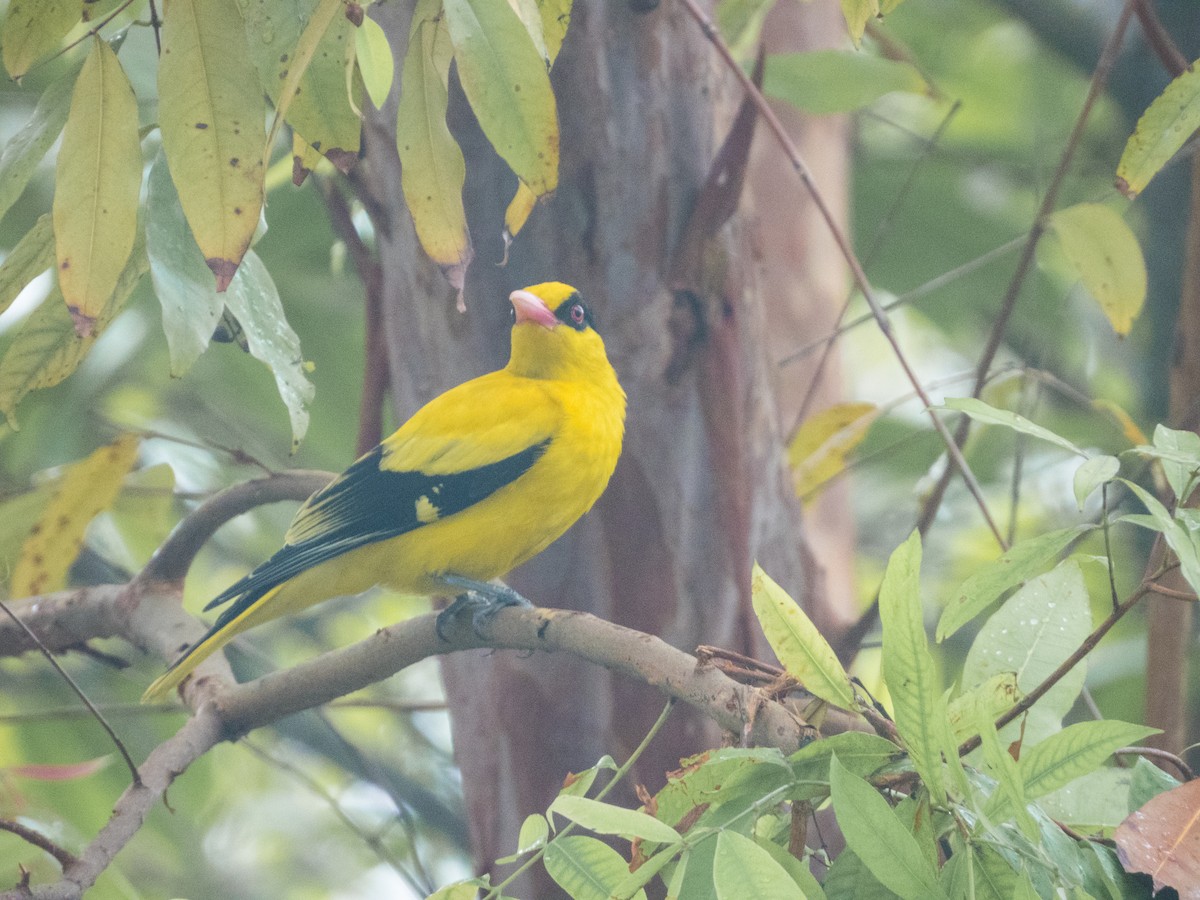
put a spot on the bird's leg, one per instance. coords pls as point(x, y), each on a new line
point(482, 597)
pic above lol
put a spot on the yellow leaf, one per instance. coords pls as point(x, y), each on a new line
point(305, 159)
point(818, 451)
point(1104, 254)
point(517, 214)
point(1163, 128)
point(432, 167)
point(858, 13)
point(1129, 428)
point(86, 489)
point(97, 180)
point(506, 82)
point(375, 61)
point(211, 118)
point(556, 16)
point(33, 28)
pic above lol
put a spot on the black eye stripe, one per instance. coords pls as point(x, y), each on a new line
point(574, 312)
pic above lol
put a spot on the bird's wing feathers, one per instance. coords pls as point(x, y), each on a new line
point(455, 452)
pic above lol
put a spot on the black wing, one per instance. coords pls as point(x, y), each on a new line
point(367, 504)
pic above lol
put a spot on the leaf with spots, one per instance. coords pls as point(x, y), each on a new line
point(1163, 838)
point(1035, 630)
point(85, 489)
point(212, 128)
point(1019, 563)
point(33, 28)
point(506, 82)
point(432, 167)
point(97, 181)
point(1166, 124)
point(47, 348)
point(295, 66)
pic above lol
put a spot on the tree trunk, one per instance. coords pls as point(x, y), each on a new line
point(701, 490)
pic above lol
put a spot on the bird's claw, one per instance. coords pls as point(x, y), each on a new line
point(485, 600)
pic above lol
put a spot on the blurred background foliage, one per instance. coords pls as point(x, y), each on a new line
point(358, 801)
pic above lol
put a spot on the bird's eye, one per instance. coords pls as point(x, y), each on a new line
point(512, 315)
point(578, 314)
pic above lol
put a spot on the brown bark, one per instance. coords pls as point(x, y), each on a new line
point(1169, 633)
point(701, 490)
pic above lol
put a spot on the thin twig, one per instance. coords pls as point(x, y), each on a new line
point(1159, 40)
point(96, 714)
point(498, 890)
point(1164, 755)
point(1088, 645)
point(839, 236)
point(63, 856)
point(1108, 57)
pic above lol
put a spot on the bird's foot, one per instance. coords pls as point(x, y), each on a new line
point(483, 598)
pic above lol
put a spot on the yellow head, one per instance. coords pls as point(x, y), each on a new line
point(553, 335)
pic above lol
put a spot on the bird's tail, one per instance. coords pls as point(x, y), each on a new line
point(225, 629)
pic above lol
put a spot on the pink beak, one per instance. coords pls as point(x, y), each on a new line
point(532, 308)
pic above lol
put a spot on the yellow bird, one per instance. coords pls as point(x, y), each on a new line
point(479, 480)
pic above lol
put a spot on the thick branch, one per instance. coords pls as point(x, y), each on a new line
point(614, 647)
point(64, 619)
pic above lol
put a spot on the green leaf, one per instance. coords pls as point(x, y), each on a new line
point(1104, 254)
point(506, 83)
point(604, 818)
point(375, 61)
point(1163, 128)
point(47, 348)
point(25, 149)
point(462, 890)
point(33, 28)
point(585, 868)
point(647, 871)
point(832, 81)
point(1096, 471)
point(1035, 630)
point(212, 128)
point(1075, 751)
point(877, 837)
point(1097, 800)
point(741, 868)
point(990, 415)
point(1019, 563)
point(254, 300)
point(1181, 541)
point(908, 668)
point(797, 869)
point(859, 752)
point(32, 256)
point(1182, 459)
point(992, 698)
point(801, 649)
point(579, 783)
point(98, 178)
point(432, 171)
point(191, 306)
point(535, 831)
point(1147, 782)
point(1009, 784)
